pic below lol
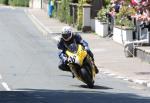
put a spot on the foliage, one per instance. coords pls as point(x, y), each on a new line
point(54, 13)
point(101, 15)
point(122, 16)
point(87, 1)
point(125, 23)
point(83, 1)
point(4, 2)
point(15, 2)
point(64, 11)
point(80, 14)
point(106, 3)
point(68, 18)
point(128, 1)
point(79, 18)
point(19, 2)
point(74, 1)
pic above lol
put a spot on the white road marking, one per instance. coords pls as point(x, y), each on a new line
point(38, 24)
point(111, 74)
point(120, 77)
point(5, 86)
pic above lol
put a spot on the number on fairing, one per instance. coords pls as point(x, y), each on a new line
point(72, 59)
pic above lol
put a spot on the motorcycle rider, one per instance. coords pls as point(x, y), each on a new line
point(68, 37)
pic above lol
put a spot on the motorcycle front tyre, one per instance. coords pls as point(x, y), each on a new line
point(87, 78)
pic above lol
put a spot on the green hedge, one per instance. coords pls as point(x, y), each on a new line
point(4, 2)
point(64, 12)
point(19, 2)
point(15, 2)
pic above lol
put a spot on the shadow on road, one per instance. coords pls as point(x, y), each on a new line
point(143, 73)
point(67, 96)
point(96, 87)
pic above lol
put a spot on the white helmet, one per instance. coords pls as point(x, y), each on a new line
point(67, 33)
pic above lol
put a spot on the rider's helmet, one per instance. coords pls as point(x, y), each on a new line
point(67, 33)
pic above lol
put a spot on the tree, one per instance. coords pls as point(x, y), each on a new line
point(106, 2)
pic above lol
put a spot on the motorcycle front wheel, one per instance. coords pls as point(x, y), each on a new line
point(87, 78)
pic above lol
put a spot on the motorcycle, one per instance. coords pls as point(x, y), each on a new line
point(81, 64)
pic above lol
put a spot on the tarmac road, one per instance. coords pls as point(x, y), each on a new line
point(29, 73)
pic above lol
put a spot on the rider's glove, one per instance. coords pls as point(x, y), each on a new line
point(65, 60)
point(63, 57)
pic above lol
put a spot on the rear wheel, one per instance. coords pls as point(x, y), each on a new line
point(87, 78)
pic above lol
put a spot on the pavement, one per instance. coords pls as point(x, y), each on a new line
point(109, 55)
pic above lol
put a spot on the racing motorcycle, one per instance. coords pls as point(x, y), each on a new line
point(81, 64)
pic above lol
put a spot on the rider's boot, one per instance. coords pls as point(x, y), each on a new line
point(73, 76)
point(65, 67)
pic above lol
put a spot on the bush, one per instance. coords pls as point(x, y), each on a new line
point(106, 3)
point(101, 15)
point(4, 2)
point(63, 11)
point(123, 14)
point(87, 1)
point(19, 2)
point(79, 17)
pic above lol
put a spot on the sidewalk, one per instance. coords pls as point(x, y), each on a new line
point(109, 56)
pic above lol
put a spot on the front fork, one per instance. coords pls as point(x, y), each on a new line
point(75, 68)
point(74, 71)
